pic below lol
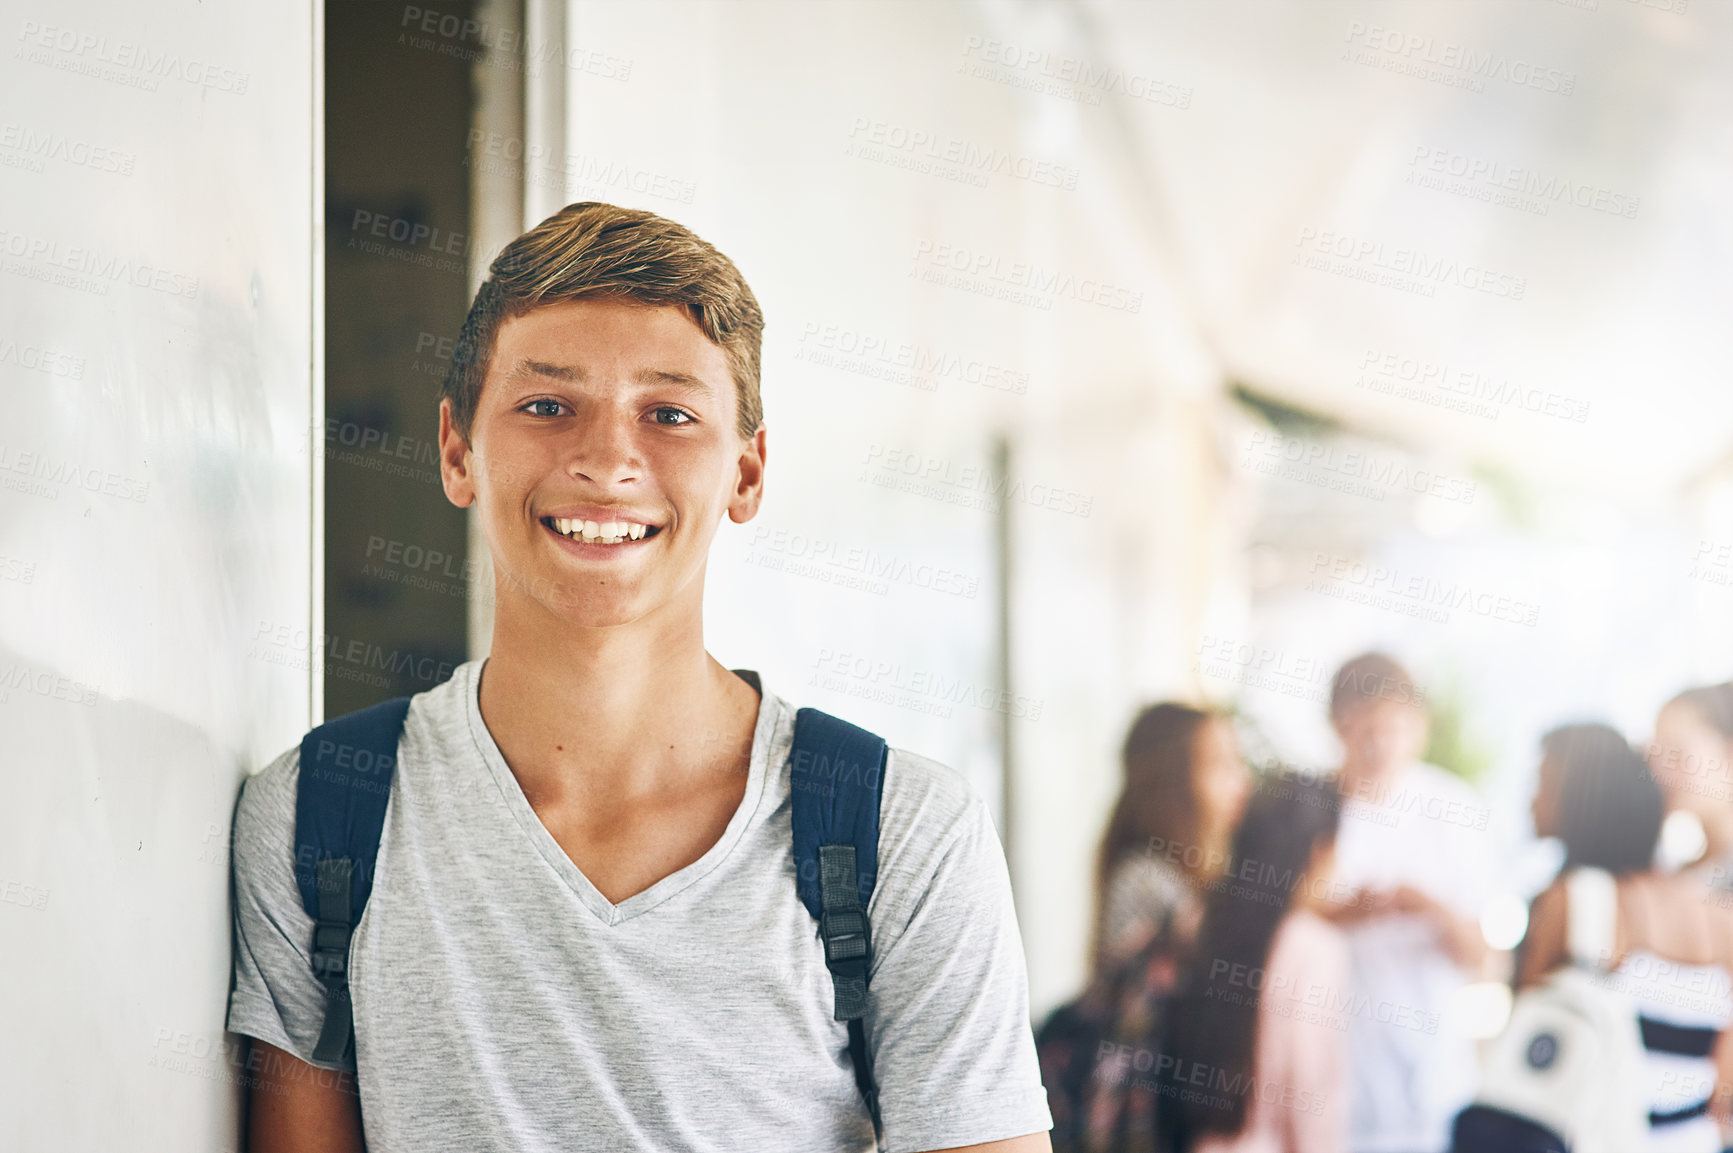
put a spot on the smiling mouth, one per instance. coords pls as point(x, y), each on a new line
point(601, 532)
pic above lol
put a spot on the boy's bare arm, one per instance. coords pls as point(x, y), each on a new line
point(297, 1108)
point(1031, 1143)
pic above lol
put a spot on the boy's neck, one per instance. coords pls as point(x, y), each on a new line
point(1368, 781)
point(616, 710)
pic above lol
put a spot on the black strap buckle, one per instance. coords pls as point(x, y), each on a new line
point(845, 934)
point(330, 951)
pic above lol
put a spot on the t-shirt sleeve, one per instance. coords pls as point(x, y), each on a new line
point(948, 1017)
point(276, 997)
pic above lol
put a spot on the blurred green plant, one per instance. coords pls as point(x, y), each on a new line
point(1450, 745)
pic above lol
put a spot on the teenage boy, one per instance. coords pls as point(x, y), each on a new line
point(584, 931)
point(1414, 844)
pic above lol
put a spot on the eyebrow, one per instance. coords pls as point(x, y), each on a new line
point(525, 368)
point(684, 381)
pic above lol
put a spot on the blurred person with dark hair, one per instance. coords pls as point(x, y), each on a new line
point(1413, 843)
point(1673, 941)
point(1256, 1053)
point(1690, 760)
point(1185, 785)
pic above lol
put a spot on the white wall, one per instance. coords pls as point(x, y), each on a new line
point(158, 202)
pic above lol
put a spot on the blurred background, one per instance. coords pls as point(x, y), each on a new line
point(1115, 352)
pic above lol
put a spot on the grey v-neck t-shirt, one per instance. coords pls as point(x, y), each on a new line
point(502, 1003)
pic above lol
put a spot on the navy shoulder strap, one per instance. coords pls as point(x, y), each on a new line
point(345, 782)
point(837, 776)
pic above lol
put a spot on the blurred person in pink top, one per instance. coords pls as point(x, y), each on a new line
point(1257, 1053)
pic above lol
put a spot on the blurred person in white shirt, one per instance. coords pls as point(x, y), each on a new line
point(1415, 851)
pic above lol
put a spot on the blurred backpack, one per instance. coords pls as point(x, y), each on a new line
point(1101, 1055)
point(1567, 1073)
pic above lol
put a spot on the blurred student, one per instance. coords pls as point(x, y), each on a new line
point(1414, 845)
point(1185, 785)
point(1673, 942)
point(1257, 1049)
point(1690, 758)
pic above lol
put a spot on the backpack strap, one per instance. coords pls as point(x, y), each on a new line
point(838, 775)
point(345, 782)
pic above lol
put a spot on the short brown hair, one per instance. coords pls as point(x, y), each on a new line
point(596, 249)
point(1373, 677)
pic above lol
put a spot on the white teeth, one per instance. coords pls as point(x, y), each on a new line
point(605, 532)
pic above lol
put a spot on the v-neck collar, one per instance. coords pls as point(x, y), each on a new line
point(605, 910)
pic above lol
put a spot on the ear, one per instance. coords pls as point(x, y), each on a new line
point(749, 481)
point(455, 471)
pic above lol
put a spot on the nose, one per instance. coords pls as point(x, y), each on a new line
point(603, 450)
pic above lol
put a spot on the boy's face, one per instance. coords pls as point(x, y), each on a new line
point(600, 412)
point(1380, 736)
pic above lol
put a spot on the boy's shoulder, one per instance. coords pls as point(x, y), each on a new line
point(264, 826)
point(916, 790)
point(927, 812)
point(265, 812)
